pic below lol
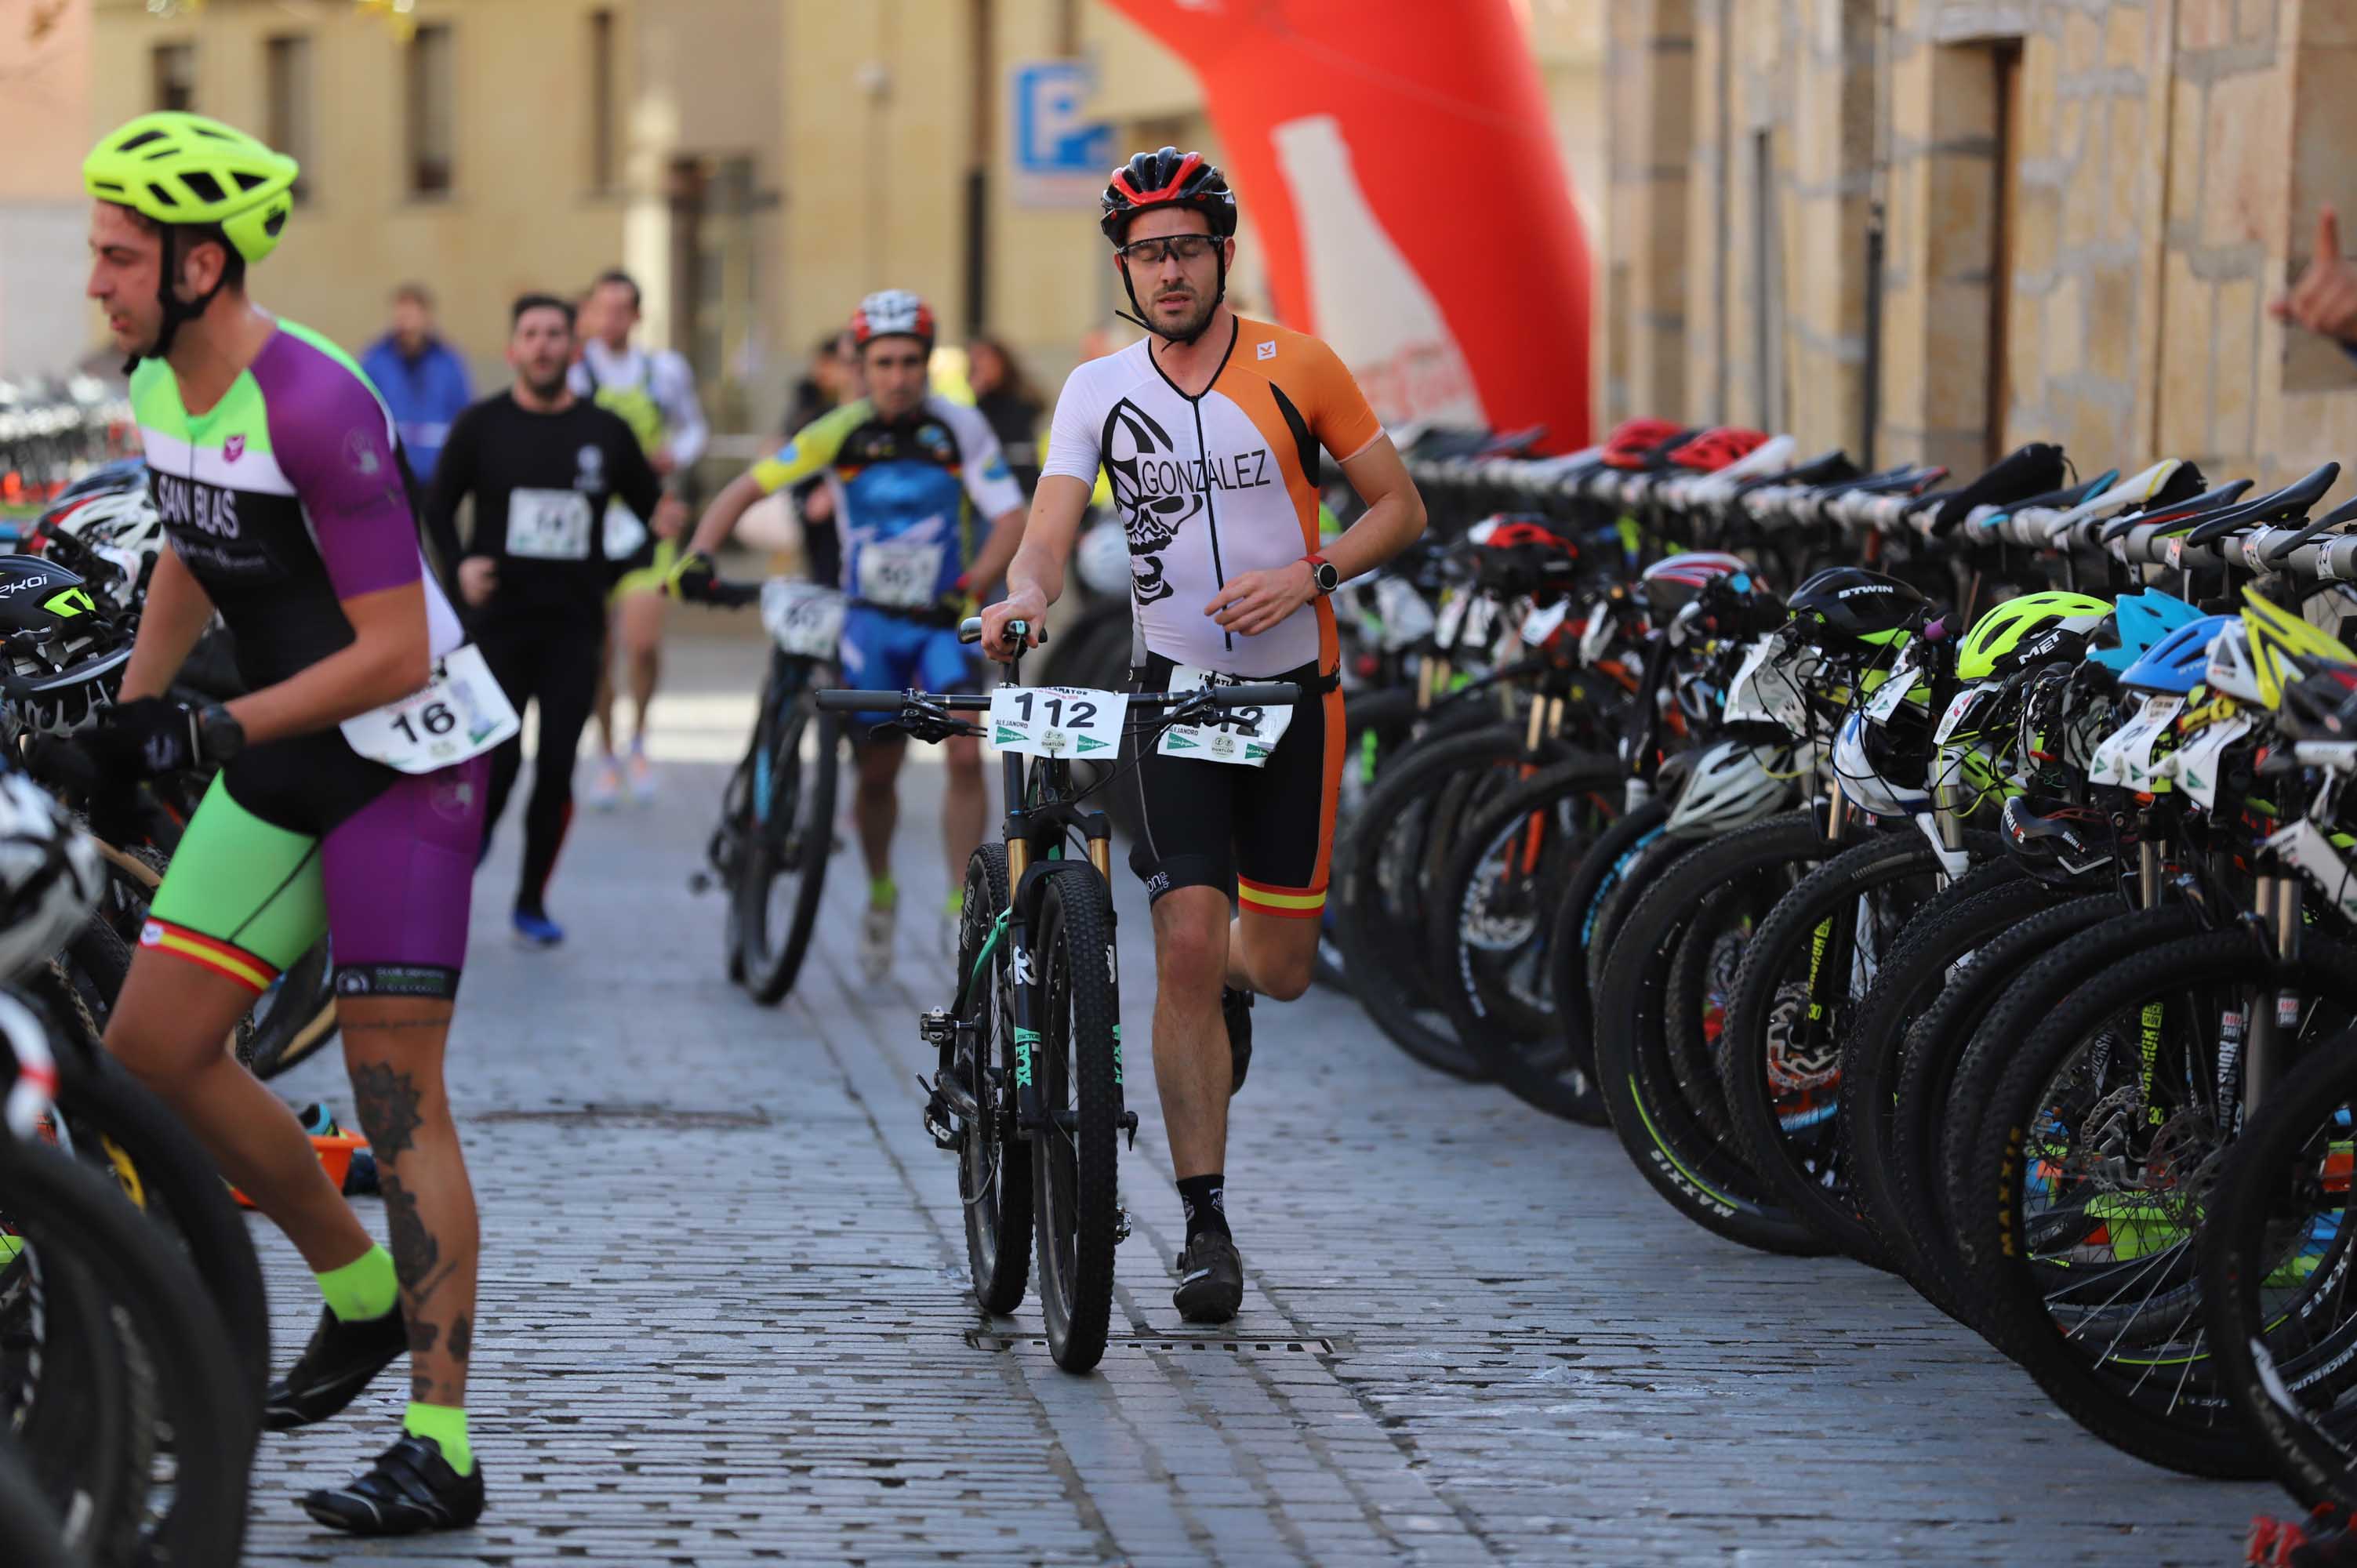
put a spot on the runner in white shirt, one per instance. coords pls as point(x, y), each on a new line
point(655, 391)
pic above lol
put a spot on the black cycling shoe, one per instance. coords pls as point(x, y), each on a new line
point(1211, 1280)
point(341, 1359)
point(410, 1488)
point(1236, 1006)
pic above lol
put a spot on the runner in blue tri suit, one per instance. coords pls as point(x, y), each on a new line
point(911, 472)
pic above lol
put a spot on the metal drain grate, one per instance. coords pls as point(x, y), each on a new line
point(1169, 1344)
point(675, 1117)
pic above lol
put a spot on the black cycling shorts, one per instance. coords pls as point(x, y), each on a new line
point(1262, 835)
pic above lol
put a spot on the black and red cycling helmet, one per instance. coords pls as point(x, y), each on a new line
point(1167, 177)
point(1715, 449)
point(1634, 442)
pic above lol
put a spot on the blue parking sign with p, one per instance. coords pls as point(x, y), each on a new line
point(1061, 154)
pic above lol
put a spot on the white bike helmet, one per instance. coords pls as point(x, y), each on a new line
point(1772, 687)
point(1733, 785)
point(49, 877)
point(1861, 766)
point(2232, 672)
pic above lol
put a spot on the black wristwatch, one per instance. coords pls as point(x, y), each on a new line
point(1323, 575)
point(219, 734)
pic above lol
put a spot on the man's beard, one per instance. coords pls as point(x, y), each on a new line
point(548, 391)
point(1190, 326)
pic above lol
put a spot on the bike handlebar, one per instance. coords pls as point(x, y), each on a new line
point(1254, 694)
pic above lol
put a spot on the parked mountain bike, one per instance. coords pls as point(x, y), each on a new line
point(769, 852)
point(1028, 1094)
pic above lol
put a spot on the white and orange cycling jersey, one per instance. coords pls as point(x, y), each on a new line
point(1209, 488)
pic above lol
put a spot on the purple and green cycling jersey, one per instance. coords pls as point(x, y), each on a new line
point(284, 500)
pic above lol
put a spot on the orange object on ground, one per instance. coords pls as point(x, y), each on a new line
point(335, 1152)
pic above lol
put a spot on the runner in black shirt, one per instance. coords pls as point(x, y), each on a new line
point(542, 465)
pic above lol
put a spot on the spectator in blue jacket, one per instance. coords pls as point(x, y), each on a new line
point(422, 379)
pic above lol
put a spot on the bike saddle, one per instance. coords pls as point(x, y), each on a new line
point(2288, 504)
point(2328, 523)
point(2208, 503)
point(2063, 499)
point(2025, 471)
point(1832, 469)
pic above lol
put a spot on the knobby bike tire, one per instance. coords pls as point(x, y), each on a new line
point(1077, 1178)
point(1378, 725)
point(791, 834)
point(1705, 1181)
point(1972, 911)
point(2274, 1159)
point(1614, 854)
point(2030, 998)
point(1517, 1044)
point(1928, 1053)
point(297, 1016)
point(994, 1159)
point(130, 1134)
point(202, 1397)
point(28, 1523)
point(2179, 1417)
point(81, 1393)
point(1382, 944)
point(1802, 1166)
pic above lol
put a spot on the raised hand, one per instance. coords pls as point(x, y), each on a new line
point(2324, 299)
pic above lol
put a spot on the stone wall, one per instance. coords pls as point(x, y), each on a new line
point(2087, 205)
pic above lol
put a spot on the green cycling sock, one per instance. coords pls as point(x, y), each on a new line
point(446, 1425)
point(883, 893)
point(366, 1287)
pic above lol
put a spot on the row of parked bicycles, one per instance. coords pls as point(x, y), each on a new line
point(1956, 876)
point(134, 1329)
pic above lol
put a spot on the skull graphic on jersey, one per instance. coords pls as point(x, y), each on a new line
point(1155, 490)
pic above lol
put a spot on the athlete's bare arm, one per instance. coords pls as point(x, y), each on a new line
point(176, 611)
point(1034, 577)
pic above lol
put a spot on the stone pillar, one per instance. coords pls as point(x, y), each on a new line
point(1651, 120)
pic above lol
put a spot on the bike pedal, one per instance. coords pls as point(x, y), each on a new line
point(945, 1134)
point(936, 1027)
point(699, 882)
point(1129, 1123)
point(1120, 1226)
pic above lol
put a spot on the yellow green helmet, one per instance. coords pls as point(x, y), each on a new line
point(183, 169)
point(2049, 624)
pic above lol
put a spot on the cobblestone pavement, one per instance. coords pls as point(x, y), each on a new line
point(724, 1318)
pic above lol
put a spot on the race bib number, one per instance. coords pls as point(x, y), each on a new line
point(1406, 618)
point(1058, 721)
point(460, 714)
point(1451, 619)
point(900, 574)
point(1540, 625)
point(548, 525)
point(805, 619)
point(1244, 737)
point(1891, 695)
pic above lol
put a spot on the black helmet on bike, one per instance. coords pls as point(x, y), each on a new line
point(1854, 602)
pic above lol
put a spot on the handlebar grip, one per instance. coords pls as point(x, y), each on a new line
point(842, 702)
point(970, 630)
point(732, 596)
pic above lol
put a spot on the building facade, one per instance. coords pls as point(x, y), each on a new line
point(756, 164)
point(1939, 228)
point(44, 69)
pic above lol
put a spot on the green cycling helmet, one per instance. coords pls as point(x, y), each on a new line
point(188, 173)
point(183, 169)
point(2023, 632)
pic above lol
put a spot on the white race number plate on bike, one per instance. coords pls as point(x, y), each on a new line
point(805, 619)
point(1058, 721)
point(1244, 737)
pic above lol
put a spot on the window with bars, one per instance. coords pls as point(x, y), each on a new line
point(175, 71)
point(287, 79)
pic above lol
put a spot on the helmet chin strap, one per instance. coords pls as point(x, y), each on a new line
point(176, 311)
point(1218, 260)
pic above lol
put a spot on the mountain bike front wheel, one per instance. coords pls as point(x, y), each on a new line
point(1075, 1149)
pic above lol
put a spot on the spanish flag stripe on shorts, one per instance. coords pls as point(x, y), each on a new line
point(209, 952)
point(1290, 903)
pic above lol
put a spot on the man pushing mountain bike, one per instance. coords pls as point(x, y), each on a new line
point(1209, 429)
